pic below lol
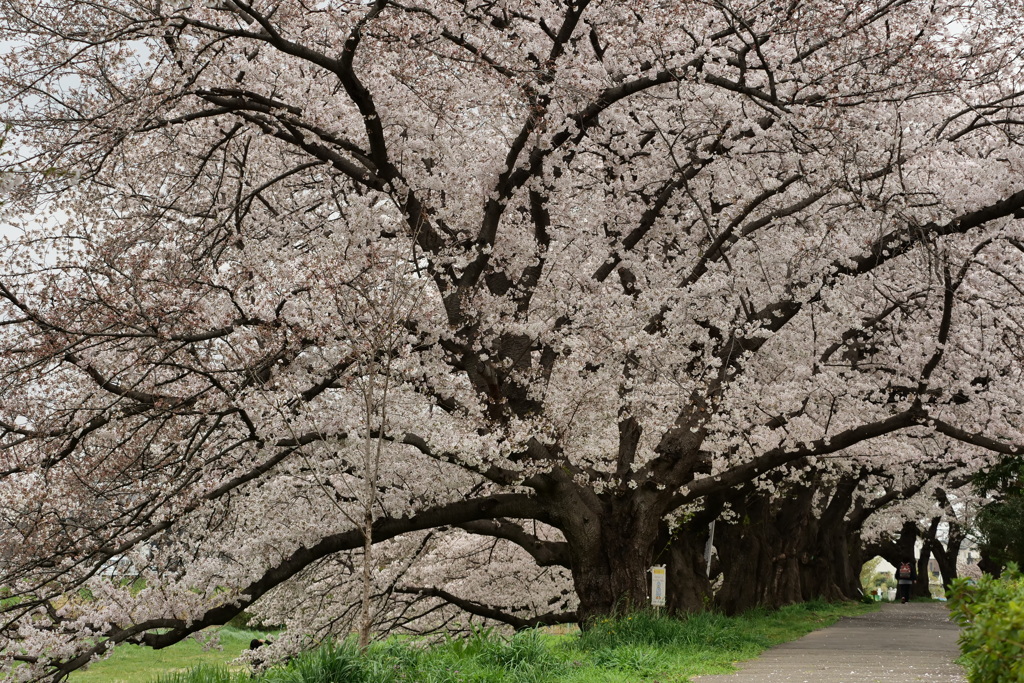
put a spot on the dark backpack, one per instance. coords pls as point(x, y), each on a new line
point(905, 570)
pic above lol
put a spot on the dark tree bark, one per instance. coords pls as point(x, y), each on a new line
point(748, 552)
point(611, 548)
point(833, 572)
point(922, 585)
point(895, 549)
point(682, 552)
point(786, 550)
point(947, 555)
point(903, 548)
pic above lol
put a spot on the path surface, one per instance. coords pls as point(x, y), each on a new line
point(899, 643)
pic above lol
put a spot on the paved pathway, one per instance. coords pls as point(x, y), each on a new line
point(899, 643)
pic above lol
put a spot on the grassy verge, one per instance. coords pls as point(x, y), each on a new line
point(643, 647)
point(135, 664)
point(640, 647)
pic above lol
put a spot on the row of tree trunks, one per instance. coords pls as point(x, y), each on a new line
point(788, 549)
point(760, 553)
point(800, 541)
point(801, 544)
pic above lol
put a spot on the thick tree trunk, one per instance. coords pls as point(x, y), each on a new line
point(682, 553)
point(946, 557)
point(761, 554)
point(922, 585)
point(746, 559)
point(611, 544)
point(836, 558)
point(832, 571)
point(906, 545)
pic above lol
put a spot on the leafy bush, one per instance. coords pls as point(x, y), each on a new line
point(873, 580)
point(991, 613)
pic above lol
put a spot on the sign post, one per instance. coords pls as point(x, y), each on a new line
point(658, 583)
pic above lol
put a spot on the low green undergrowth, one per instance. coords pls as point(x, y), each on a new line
point(991, 614)
point(638, 647)
point(137, 664)
point(206, 673)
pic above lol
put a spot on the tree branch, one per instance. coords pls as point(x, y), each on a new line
point(493, 613)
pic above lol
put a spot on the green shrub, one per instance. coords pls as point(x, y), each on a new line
point(991, 614)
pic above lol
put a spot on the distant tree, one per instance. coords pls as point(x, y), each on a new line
point(1001, 521)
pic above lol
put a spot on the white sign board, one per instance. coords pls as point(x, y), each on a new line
point(658, 586)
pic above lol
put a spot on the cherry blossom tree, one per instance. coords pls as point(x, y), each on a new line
point(910, 523)
point(666, 256)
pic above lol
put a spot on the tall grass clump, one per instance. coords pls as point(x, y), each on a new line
point(636, 644)
point(525, 657)
point(205, 673)
point(331, 662)
point(705, 630)
point(484, 656)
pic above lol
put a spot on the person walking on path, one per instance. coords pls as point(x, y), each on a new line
point(905, 578)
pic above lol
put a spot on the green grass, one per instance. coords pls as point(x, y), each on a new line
point(646, 647)
point(136, 664)
point(641, 647)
